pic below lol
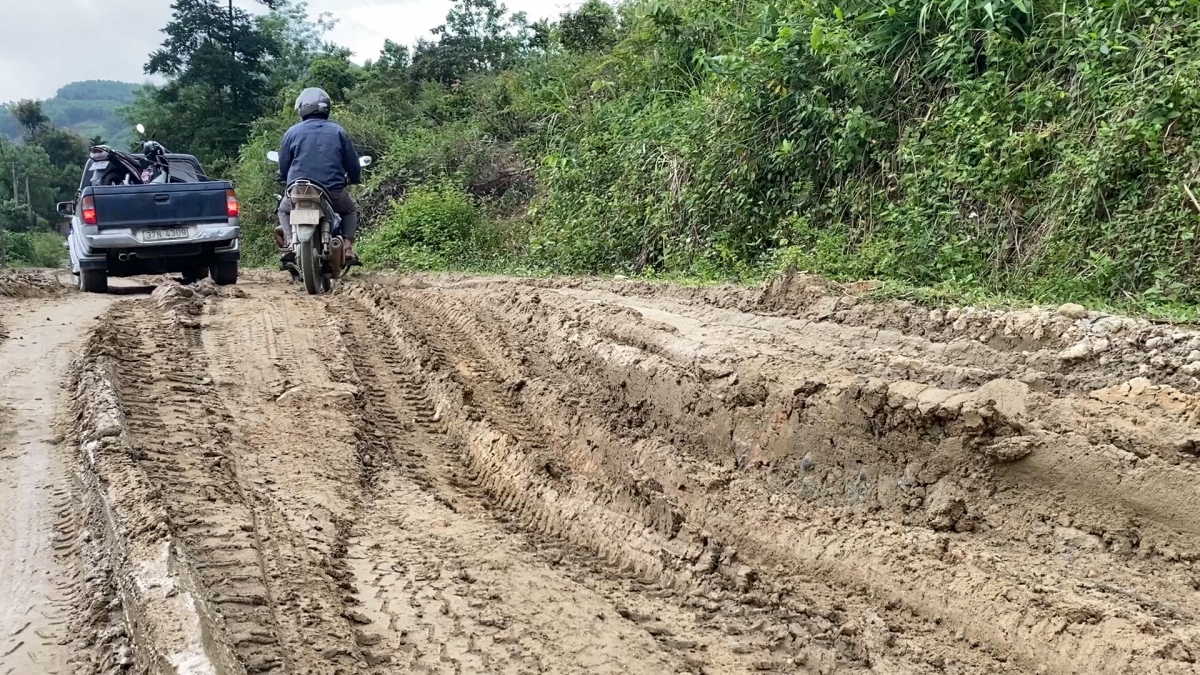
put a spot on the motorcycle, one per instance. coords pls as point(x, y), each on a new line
point(316, 233)
point(114, 167)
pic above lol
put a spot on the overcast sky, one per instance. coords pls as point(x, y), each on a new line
point(45, 44)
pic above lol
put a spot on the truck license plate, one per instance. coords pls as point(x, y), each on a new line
point(162, 235)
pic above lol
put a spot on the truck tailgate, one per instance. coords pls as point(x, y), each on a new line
point(161, 204)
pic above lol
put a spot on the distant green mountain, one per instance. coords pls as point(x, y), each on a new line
point(87, 108)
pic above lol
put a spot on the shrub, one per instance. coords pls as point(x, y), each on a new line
point(434, 226)
point(34, 249)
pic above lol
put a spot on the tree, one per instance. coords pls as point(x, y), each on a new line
point(590, 28)
point(299, 40)
point(334, 73)
point(393, 58)
point(31, 166)
point(478, 36)
point(30, 116)
point(218, 60)
point(387, 87)
point(541, 35)
point(48, 162)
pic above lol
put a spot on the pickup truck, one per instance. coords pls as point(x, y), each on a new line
point(187, 226)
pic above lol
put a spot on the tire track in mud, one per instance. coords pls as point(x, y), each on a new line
point(50, 618)
point(697, 612)
point(297, 463)
point(409, 577)
point(702, 642)
point(263, 595)
point(443, 584)
point(182, 438)
point(1001, 593)
point(900, 627)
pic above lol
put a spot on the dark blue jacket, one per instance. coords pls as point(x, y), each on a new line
point(320, 151)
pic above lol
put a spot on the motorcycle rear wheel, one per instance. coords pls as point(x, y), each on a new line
point(310, 268)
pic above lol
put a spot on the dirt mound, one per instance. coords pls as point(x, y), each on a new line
point(22, 283)
point(19, 283)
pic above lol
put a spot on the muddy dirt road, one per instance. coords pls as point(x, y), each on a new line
point(464, 475)
point(40, 566)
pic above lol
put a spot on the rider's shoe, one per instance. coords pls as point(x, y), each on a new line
point(287, 263)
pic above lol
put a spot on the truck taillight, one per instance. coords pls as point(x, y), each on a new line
point(88, 210)
point(231, 204)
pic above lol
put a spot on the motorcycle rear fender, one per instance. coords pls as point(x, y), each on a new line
point(304, 232)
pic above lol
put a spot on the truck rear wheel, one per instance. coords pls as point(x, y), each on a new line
point(225, 273)
point(93, 281)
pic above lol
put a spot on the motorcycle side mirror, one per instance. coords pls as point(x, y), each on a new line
point(364, 161)
point(273, 156)
point(141, 129)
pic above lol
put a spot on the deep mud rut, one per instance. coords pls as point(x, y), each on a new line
point(449, 475)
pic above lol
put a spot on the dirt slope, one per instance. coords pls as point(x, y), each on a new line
point(457, 475)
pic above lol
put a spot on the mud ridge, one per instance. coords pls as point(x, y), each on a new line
point(17, 283)
point(282, 494)
point(1059, 349)
point(130, 517)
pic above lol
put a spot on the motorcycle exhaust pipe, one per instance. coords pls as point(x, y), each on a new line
point(336, 243)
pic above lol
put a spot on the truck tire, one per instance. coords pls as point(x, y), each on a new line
point(93, 281)
point(225, 273)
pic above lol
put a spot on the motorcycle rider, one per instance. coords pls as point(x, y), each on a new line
point(320, 151)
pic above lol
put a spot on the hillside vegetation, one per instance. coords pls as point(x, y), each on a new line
point(43, 145)
point(1032, 150)
point(89, 109)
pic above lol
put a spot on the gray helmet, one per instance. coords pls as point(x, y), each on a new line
point(312, 101)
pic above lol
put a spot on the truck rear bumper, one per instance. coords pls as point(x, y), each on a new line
point(123, 253)
point(129, 239)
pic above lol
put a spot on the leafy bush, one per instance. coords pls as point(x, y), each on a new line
point(436, 225)
point(34, 249)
